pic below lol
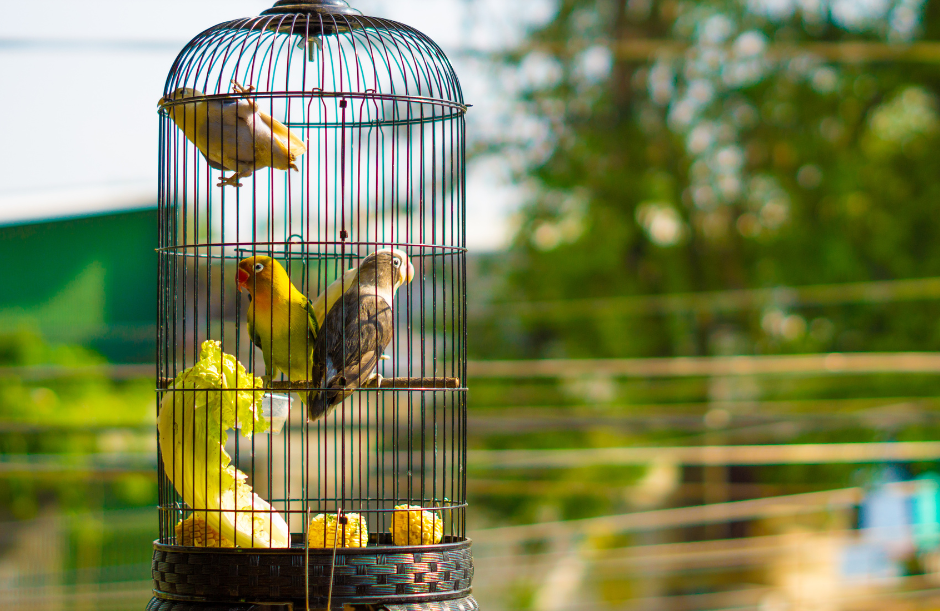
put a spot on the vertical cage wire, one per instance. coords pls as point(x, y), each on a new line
point(382, 116)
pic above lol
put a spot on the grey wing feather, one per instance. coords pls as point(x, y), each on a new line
point(318, 366)
point(342, 383)
point(354, 335)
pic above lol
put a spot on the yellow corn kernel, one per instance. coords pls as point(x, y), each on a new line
point(411, 526)
point(322, 531)
point(194, 532)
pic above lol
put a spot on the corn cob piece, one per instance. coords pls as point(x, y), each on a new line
point(411, 526)
point(322, 531)
point(195, 532)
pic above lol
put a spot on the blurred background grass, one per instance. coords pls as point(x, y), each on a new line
point(689, 196)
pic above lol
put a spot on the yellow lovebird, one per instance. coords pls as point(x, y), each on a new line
point(282, 322)
point(233, 134)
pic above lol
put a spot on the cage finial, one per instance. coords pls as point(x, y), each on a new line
point(336, 7)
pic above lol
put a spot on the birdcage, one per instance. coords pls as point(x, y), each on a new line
point(311, 332)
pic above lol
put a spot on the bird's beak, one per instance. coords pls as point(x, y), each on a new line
point(242, 280)
point(409, 273)
point(160, 103)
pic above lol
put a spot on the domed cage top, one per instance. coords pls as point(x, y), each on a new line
point(311, 333)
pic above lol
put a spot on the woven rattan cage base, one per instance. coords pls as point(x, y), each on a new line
point(460, 604)
point(381, 574)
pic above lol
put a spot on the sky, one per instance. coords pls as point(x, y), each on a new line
point(82, 80)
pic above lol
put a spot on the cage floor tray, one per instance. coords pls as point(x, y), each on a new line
point(375, 574)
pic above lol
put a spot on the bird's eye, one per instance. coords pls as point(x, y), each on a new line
point(396, 262)
point(259, 267)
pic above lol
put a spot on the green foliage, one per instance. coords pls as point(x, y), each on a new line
point(24, 347)
point(58, 402)
point(725, 167)
point(70, 394)
point(521, 595)
point(735, 156)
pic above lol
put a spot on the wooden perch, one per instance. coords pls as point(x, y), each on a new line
point(399, 383)
point(389, 383)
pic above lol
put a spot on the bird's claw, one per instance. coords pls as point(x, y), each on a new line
point(241, 89)
point(266, 381)
point(231, 181)
point(378, 380)
point(384, 357)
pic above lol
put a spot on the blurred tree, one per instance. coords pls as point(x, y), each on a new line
point(70, 414)
point(739, 155)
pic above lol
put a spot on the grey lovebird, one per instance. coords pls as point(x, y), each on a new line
point(234, 135)
point(356, 331)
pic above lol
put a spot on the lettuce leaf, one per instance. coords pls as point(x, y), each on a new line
point(211, 397)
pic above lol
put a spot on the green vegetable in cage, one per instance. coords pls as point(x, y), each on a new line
point(195, 414)
point(412, 526)
point(322, 531)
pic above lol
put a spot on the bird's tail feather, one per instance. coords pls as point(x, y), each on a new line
point(317, 405)
point(321, 403)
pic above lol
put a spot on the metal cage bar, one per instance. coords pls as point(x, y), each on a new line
point(380, 113)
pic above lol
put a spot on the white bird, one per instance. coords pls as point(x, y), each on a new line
point(233, 134)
